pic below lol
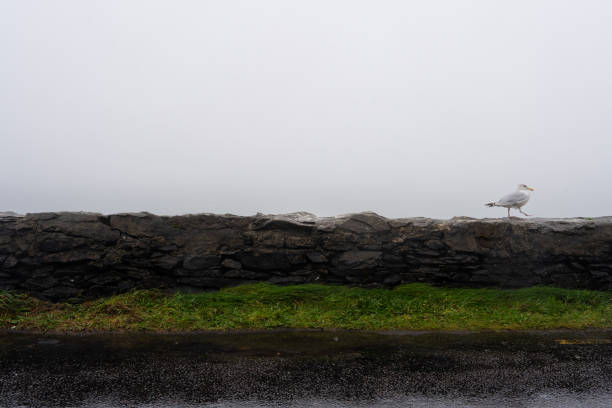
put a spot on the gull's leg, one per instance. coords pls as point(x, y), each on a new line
point(529, 215)
point(510, 216)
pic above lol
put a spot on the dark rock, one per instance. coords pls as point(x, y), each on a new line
point(40, 283)
point(359, 277)
point(79, 225)
point(267, 239)
point(103, 290)
point(265, 261)
point(316, 257)
point(195, 262)
point(338, 242)
point(231, 264)
point(65, 270)
point(76, 255)
point(167, 248)
point(244, 274)
point(57, 243)
point(208, 282)
point(301, 272)
point(104, 280)
point(61, 293)
point(390, 259)
point(602, 273)
point(359, 259)
point(10, 284)
point(44, 272)
point(209, 272)
point(166, 262)
point(392, 280)
point(287, 280)
point(9, 262)
point(299, 241)
point(297, 259)
point(460, 277)
point(125, 285)
point(155, 281)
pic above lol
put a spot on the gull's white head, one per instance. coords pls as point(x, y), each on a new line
point(524, 187)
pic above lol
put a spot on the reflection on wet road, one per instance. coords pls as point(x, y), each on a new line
point(308, 368)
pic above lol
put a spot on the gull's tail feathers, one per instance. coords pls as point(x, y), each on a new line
point(491, 204)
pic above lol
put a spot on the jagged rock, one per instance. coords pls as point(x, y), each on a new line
point(316, 257)
point(392, 280)
point(58, 293)
point(205, 282)
point(364, 223)
point(359, 259)
point(248, 275)
point(266, 261)
point(288, 280)
point(166, 262)
point(9, 262)
point(231, 264)
point(40, 283)
point(195, 262)
point(9, 214)
point(63, 255)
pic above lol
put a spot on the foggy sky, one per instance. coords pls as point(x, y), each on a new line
point(406, 108)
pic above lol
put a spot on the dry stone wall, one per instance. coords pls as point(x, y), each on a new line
point(58, 256)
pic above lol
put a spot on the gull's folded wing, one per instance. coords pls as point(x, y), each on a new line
point(514, 198)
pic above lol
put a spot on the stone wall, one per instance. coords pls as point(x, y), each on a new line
point(63, 255)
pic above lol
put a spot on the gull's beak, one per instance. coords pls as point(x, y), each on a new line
point(531, 189)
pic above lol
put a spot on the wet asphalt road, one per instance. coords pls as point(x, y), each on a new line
point(306, 368)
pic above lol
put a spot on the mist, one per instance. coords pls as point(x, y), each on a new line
point(403, 108)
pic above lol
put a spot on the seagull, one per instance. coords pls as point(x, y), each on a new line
point(514, 200)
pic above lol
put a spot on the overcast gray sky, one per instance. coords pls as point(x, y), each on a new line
point(406, 108)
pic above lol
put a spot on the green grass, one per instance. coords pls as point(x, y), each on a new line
point(408, 307)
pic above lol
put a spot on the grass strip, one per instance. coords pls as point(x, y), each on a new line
point(260, 306)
